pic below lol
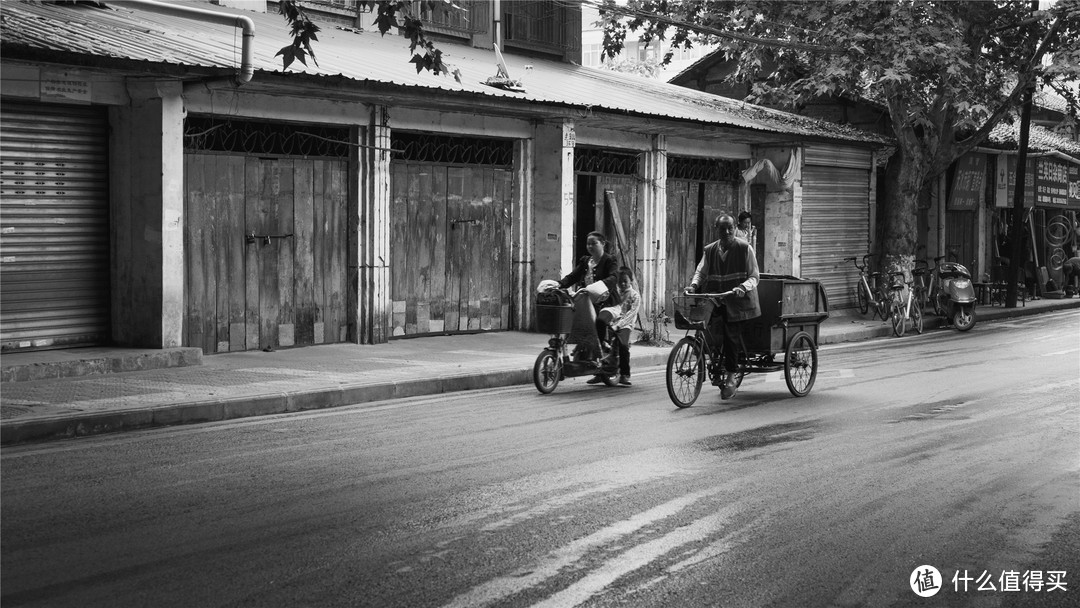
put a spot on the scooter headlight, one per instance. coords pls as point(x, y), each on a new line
point(962, 283)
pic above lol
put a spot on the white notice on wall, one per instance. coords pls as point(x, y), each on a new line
point(58, 85)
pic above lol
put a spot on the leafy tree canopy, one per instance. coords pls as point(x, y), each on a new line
point(947, 71)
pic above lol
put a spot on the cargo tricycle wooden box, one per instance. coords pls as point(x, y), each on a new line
point(788, 305)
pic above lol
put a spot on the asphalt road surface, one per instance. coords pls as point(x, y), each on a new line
point(956, 451)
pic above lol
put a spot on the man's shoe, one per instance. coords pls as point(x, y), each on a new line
point(625, 380)
point(729, 389)
point(595, 380)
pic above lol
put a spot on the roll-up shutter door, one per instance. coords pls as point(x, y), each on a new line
point(836, 217)
point(54, 244)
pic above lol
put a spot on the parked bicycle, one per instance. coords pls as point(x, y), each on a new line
point(869, 292)
point(907, 309)
point(921, 284)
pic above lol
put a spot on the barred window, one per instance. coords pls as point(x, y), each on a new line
point(703, 169)
point(454, 150)
point(596, 160)
point(216, 134)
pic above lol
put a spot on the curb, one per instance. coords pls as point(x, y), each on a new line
point(80, 425)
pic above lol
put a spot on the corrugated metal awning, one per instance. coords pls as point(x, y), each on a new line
point(123, 34)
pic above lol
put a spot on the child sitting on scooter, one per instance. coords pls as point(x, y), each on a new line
point(620, 320)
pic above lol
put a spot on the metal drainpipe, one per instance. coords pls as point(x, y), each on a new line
point(247, 67)
point(497, 9)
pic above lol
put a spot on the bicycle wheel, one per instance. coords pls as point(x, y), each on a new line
point(896, 316)
point(547, 371)
point(862, 297)
point(920, 298)
point(800, 364)
point(685, 372)
point(916, 317)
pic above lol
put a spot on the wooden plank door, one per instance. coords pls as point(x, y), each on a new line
point(682, 237)
point(624, 191)
point(214, 316)
point(269, 266)
point(450, 265)
point(253, 293)
point(478, 248)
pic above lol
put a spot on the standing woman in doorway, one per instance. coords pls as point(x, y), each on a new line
point(746, 230)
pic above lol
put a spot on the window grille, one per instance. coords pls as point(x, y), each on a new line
point(703, 169)
point(595, 160)
point(542, 22)
point(212, 134)
point(455, 150)
point(465, 16)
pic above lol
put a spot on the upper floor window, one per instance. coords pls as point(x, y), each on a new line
point(542, 24)
point(465, 17)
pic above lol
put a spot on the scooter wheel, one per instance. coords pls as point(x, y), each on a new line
point(964, 318)
point(547, 372)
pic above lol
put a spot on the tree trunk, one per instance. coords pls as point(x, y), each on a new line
point(903, 181)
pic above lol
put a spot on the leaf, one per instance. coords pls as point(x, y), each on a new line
point(286, 56)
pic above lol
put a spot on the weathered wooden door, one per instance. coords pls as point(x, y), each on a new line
point(265, 246)
point(683, 234)
point(450, 265)
point(692, 209)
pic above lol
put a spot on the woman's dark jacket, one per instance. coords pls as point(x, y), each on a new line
point(606, 270)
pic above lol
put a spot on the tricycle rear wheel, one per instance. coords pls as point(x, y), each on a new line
point(685, 372)
point(800, 364)
point(547, 371)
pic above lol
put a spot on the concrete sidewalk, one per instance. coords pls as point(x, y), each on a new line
point(57, 394)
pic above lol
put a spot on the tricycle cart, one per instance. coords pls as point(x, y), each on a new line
point(792, 310)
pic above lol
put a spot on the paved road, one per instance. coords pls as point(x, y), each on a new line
point(957, 451)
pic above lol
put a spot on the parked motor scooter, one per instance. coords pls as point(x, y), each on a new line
point(955, 297)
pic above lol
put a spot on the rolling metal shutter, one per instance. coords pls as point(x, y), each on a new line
point(836, 217)
point(54, 226)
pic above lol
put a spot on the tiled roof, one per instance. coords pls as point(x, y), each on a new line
point(1040, 139)
point(123, 33)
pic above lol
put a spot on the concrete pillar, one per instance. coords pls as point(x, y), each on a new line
point(373, 233)
point(522, 241)
point(146, 161)
point(553, 200)
point(653, 280)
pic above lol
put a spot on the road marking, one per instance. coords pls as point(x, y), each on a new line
point(1061, 352)
point(550, 565)
point(636, 558)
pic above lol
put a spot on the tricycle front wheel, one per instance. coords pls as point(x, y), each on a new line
point(800, 364)
point(547, 371)
point(685, 372)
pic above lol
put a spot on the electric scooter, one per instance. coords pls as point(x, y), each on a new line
point(555, 315)
point(955, 297)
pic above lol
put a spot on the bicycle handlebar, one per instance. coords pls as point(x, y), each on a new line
point(720, 296)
